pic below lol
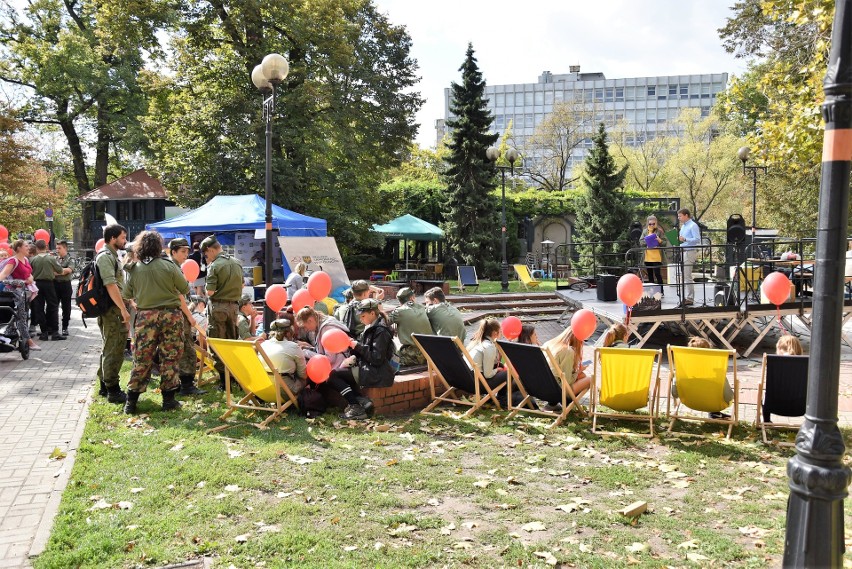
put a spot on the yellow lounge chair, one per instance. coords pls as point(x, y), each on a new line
point(450, 365)
point(524, 277)
point(700, 375)
point(262, 388)
point(629, 380)
point(204, 364)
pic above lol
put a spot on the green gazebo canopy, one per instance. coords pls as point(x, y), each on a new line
point(410, 227)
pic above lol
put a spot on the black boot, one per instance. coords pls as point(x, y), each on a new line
point(130, 404)
point(103, 390)
point(115, 394)
point(169, 401)
point(187, 386)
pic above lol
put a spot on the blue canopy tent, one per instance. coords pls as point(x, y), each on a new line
point(239, 213)
point(409, 227)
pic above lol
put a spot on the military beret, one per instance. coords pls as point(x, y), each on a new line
point(178, 243)
point(209, 242)
point(404, 294)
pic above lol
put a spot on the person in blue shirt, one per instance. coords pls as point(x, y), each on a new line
point(690, 239)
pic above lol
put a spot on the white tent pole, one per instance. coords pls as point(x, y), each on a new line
point(406, 254)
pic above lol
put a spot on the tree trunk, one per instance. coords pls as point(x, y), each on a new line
point(102, 145)
point(74, 146)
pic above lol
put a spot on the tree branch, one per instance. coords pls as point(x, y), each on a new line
point(69, 5)
point(17, 82)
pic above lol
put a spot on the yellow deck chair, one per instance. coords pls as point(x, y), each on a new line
point(524, 277)
point(265, 391)
point(205, 367)
point(449, 365)
point(629, 380)
point(700, 375)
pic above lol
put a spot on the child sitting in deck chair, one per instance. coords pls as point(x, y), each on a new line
point(728, 392)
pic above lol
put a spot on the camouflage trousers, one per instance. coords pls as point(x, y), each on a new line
point(114, 337)
point(187, 364)
point(411, 356)
point(157, 330)
point(223, 324)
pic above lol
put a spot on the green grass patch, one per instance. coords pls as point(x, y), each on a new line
point(414, 491)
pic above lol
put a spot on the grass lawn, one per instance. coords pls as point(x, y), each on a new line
point(493, 287)
point(411, 492)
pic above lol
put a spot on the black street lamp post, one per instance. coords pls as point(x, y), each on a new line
point(817, 476)
point(493, 154)
point(266, 76)
point(743, 154)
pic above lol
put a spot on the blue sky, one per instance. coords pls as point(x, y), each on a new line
point(516, 41)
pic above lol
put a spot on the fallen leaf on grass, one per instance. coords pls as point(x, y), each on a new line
point(691, 544)
point(136, 490)
point(378, 545)
point(775, 496)
point(123, 505)
point(482, 483)
point(383, 428)
point(232, 488)
point(534, 526)
point(177, 447)
point(675, 474)
point(680, 484)
point(234, 453)
point(57, 454)
point(391, 462)
point(269, 529)
point(636, 547)
point(696, 557)
point(299, 459)
point(100, 505)
point(753, 531)
point(462, 545)
point(446, 530)
point(505, 506)
point(547, 556)
point(350, 548)
point(470, 525)
point(402, 529)
point(433, 502)
point(731, 497)
point(201, 484)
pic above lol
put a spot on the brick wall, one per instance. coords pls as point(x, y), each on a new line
point(409, 394)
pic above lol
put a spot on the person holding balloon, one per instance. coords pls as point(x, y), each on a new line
point(483, 350)
point(179, 254)
point(316, 326)
point(567, 351)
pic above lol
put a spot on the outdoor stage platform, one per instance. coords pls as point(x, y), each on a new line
point(719, 324)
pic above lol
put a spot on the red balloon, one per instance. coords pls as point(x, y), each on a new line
point(583, 324)
point(276, 297)
point(190, 269)
point(6, 247)
point(42, 234)
point(4, 233)
point(511, 327)
point(335, 341)
point(99, 245)
point(319, 285)
point(629, 289)
point(776, 287)
point(319, 368)
point(301, 299)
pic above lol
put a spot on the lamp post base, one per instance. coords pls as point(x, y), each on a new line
point(504, 276)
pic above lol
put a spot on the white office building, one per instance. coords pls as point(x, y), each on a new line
point(647, 104)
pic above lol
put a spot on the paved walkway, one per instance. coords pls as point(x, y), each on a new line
point(43, 406)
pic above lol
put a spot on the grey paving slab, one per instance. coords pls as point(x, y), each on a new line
point(43, 405)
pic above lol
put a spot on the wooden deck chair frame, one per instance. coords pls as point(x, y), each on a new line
point(283, 397)
point(442, 388)
point(204, 364)
point(599, 385)
point(759, 422)
point(514, 357)
point(462, 282)
point(675, 415)
point(524, 277)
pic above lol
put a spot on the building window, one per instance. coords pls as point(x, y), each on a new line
point(138, 211)
point(619, 94)
point(652, 91)
point(539, 97)
point(705, 91)
point(672, 90)
point(501, 99)
point(598, 95)
point(548, 97)
point(559, 95)
point(529, 121)
point(98, 211)
point(609, 94)
point(684, 91)
point(528, 99)
point(587, 95)
point(122, 210)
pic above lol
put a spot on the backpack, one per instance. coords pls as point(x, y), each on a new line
point(350, 318)
point(92, 296)
point(311, 402)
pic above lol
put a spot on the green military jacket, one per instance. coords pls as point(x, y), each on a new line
point(225, 276)
point(109, 268)
point(45, 267)
point(156, 284)
point(446, 320)
point(64, 262)
point(410, 318)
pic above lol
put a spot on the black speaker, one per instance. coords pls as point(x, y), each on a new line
point(606, 288)
point(635, 231)
point(736, 228)
point(724, 295)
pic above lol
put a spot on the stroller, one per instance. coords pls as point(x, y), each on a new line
point(12, 292)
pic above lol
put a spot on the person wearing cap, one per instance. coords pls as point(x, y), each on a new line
point(410, 318)
point(62, 284)
point(179, 253)
point(45, 306)
point(314, 326)
point(285, 354)
point(158, 286)
point(361, 289)
point(247, 320)
point(446, 320)
point(224, 288)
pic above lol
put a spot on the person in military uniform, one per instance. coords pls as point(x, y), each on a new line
point(45, 306)
point(62, 284)
point(247, 320)
point(179, 253)
point(349, 315)
point(410, 318)
point(224, 288)
point(112, 323)
point(157, 285)
point(446, 320)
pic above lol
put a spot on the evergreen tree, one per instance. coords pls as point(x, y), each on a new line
point(603, 210)
point(471, 225)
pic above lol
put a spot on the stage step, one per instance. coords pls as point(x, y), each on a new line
point(524, 306)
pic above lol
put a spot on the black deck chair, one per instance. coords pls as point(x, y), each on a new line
point(450, 363)
point(783, 390)
point(467, 277)
point(532, 376)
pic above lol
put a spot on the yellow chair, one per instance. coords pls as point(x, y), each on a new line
point(700, 375)
point(524, 277)
point(204, 365)
point(629, 381)
point(265, 391)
